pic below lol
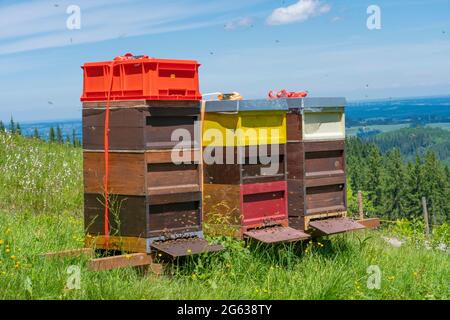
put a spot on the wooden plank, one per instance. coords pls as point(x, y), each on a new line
point(316, 182)
point(295, 160)
point(126, 173)
point(370, 223)
point(69, 253)
point(174, 218)
point(127, 244)
point(160, 175)
point(294, 126)
point(121, 261)
point(324, 161)
point(316, 146)
point(127, 216)
point(222, 204)
point(164, 156)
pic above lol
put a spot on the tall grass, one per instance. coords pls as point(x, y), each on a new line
point(44, 213)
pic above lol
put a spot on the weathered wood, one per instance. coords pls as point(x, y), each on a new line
point(126, 244)
point(371, 223)
point(139, 216)
point(325, 198)
point(425, 217)
point(158, 104)
point(69, 253)
point(360, 206)
point(132, 174)
point(120, 261)
point(139, 128)
point(294, 125)
point(317, 146)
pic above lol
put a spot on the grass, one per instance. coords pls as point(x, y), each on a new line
point(41, 210)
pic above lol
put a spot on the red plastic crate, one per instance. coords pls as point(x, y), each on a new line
point(264, 202)
point(141, 78)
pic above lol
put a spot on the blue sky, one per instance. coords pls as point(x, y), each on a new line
point(249, 46)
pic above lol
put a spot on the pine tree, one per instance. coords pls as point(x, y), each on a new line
point(12, 126)
point(51, 135)
point(74, 138)
point(414, 188)
point(2, 126)
point(394, 185)
point(36, 134)
point(59, 134)
point(18, 129)
point(434, 186)
point(375, 175)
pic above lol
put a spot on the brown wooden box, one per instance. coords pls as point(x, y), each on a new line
point(140, 125)
point(316, 179)
point(151, 173)
point(249, 169)
point(143, 216)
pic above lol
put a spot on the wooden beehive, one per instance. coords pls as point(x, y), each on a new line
point(241, 195)
point(154, 183)
point(316, 160)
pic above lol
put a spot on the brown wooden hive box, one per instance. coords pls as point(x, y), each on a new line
point(144, 217)
point(151, 173)
point(140, 125)
point(315, 164)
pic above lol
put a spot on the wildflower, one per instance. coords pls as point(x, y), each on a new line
point(13, 257)
point(159, 254)
point(1, 241)
point(189, 250)
point(415, 274)
point(257, 290)
point(128, 256)
point(391, 278)
point(7, 250)
point(266, 291)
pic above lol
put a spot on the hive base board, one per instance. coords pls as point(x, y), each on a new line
point(276, 235)
point(238, 231)
point(335, 226)
point(310, 218)
point(126, 244)
point(371, 223)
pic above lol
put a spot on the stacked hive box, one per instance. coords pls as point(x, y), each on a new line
point(245, 187)
point(150, 196)
point(316, 164)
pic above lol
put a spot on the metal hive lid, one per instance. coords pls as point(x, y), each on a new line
point(282, 104)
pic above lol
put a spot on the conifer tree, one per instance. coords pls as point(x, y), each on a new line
point(394, 186)
point(36, 134)
point(59, 135)
point(12, 126)
point(18, 129)
point(51, 135)
point(2, 126)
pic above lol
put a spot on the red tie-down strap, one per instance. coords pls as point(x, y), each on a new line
point(115, 62)
point(287, 94)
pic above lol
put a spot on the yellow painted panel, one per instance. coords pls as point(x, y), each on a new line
point(244, 128)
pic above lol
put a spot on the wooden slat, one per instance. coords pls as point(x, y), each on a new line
point(371, 223)
point(315, 146)
point(69, 253)
point(127, 244)
point(121, 261)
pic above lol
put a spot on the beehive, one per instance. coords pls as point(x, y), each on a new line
point(244, 159)
point(316, 160)
point(154, 171)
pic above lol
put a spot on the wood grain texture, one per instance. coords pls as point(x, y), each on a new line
point(157, 104)
point(315, 146)
point(126, 173)
point(294, 125)
point(325, 198)
point(120, 261)
point(131, 174)
point(142, 128)
point(295, 161)
point(126, 244)
point(135, 216)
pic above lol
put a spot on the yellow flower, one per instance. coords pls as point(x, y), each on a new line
point(128, 256)
point(13, 257)
point(391, 278)
point(415, 274)
point(159, 254)
point(1, 242)
point(7, 250)
point(257, 290)
point(189, 250)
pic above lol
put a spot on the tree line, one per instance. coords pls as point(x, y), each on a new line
point(394, 186)
point(55, 135)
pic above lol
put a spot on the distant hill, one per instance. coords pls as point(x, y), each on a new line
point(412, 141)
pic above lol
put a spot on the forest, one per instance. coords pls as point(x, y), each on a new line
point(392, 183)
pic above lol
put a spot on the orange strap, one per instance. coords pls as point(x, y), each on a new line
point(106, 144)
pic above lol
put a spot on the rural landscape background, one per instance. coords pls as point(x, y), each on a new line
point(393, 157)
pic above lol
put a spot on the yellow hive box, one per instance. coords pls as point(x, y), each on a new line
point(244, 128)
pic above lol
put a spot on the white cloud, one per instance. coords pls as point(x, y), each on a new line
point(239, 23)
point(298, 12)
